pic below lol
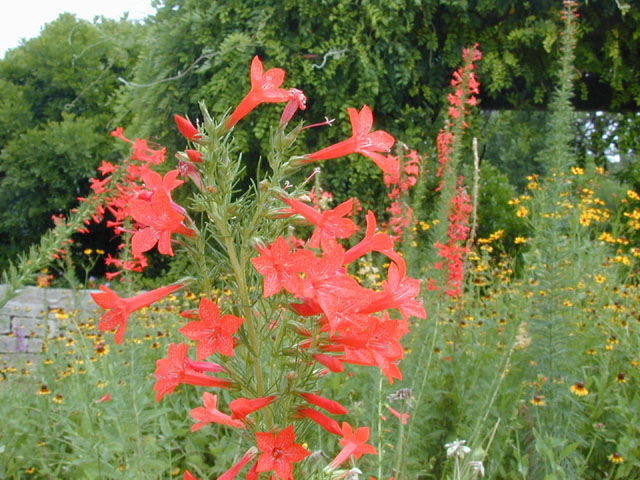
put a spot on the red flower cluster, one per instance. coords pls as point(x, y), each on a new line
point(143, 198)
point(213, 334)
point(465, 86)
point(341, 322)
point(570, 10)
point(399, 184)
point(454, 252)
point(350, 332)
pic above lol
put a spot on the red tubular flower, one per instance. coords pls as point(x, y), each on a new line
point(120, 308)
point(297, 100)
point(143, 153)
point(330, 406)
point(264, 89)
point(175, 369)
point(119, 133)
point(279, 452)
point(160, 220)
point(399, 292)
point(104, 398)
point(204, 366)
point(353, 443)
point(233, 471)
point(212, 333)
point(252, 474)
point(321, 419)
point(210, 414)
point(402, 416)
point(187, 169)
point(241, 407)
point(154, 182)
point(194, 155)
point(280, 267)
point(332, 363)
point(372, 241)
point(376, 343)
point(106, 168)
point(330, 224)
point(188, 476)
point(361, 141)
point(186, 128)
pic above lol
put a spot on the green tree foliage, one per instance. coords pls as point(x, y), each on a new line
point(56, 105)
point(511, 140)
point(397, 56)
point(45, 169)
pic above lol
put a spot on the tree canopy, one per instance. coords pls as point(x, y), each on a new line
point(60, 93)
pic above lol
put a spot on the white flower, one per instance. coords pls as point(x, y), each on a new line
point(457, 448)
point(353, 474)
point(477, 467)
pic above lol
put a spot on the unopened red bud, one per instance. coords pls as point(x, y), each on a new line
point(194, 155)
point(186, 128)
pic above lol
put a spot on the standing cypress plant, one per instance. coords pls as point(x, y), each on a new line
point(448, 243)
point(556, 257)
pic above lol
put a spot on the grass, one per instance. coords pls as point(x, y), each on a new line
point(487, 367)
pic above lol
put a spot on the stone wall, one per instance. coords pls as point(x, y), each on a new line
point(28, 319)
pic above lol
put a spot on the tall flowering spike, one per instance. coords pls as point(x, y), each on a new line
point(175, 369)
point(264, 89)
point(361, 141)
point(455, 250)
point(210, 414)
point(353, 443)
point(186, 128)
point(120, 308)
point(279, 452)
point(213, 333)
point(159, 219)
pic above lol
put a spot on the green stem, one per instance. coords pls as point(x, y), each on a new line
point(239, 273)
point(400, 444)
point(424, 379)
point(380, 450)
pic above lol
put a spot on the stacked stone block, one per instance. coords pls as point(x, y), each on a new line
point(28, 319)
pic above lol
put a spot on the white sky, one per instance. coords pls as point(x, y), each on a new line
point(23, 19)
